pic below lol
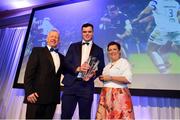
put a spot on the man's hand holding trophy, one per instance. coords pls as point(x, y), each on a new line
point(88, 69)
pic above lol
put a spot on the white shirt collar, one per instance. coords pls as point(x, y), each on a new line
point(48, 47)
point(90, 42)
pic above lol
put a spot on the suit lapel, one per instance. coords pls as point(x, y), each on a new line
point(92, 50)
point(79, 53)
point(48, 54)
point(60, 61)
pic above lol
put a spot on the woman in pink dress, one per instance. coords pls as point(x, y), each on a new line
point(115, 98)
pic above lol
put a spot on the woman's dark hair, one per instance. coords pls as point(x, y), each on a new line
point(114, 43)
point(87, 25)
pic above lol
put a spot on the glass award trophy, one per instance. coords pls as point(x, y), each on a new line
point(93, 63)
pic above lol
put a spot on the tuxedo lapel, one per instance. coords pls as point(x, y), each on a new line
point(61, 62)
point(92, 50)
point(48, 54)
point(79, 53)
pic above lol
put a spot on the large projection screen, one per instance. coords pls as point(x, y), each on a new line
point(150, 76)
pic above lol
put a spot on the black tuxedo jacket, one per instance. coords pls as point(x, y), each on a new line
point(73, 60)
point(40, 76)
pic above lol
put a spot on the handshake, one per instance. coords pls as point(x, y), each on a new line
point(88, 68)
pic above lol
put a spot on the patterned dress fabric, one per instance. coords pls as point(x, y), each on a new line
point(115, 103)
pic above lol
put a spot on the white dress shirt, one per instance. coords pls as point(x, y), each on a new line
point(85, 51)
point(56, 59)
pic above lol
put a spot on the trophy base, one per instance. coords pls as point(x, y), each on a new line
point(80, 75)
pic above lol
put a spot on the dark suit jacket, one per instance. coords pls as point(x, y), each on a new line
point(73, 60)
point(40, 76)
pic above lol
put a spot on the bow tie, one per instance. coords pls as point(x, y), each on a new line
point(55, 50)
point(85, 43)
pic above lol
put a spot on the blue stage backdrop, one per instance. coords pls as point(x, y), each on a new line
point(157, 70)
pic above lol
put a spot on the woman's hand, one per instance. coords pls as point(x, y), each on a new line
point(105, 77)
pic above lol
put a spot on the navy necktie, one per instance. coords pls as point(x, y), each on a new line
point(85, 43)
point(55, 50)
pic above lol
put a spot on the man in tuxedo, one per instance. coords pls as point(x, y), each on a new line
point(80, 90)
point(42, 79)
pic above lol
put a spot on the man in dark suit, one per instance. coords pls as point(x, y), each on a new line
point(80, 90)
point(42, 79)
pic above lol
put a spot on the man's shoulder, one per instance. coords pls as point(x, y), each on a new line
point(75, 44)
point(38, 49)
point(97, 46)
